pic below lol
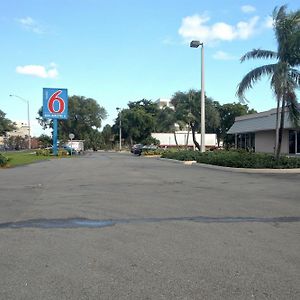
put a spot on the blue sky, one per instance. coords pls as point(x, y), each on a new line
point(124, 50)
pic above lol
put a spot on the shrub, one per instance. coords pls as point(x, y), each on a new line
point(62, 152)
point(42, 152)
point(153, 152)
point(236, 159)
point(3, 160)
point(150, 141)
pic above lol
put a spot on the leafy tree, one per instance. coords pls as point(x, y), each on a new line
point(45, 140)
point(93, 140)
point(150, 141)
point(187, 112)
point(6, 125)
point(284, 76)
point(137, 124)
point(107, 136)
point(165, 120)
point(147, 105)
point(85, 116)
point(16, 142)
point(138, 121)
point(228, 112)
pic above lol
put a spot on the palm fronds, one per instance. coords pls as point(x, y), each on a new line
point(259, 53)
point(252, 77)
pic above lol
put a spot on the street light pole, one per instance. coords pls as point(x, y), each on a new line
point(196, 44)
point(28, 118)
point(120, 128)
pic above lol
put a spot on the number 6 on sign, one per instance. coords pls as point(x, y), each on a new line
point(55, 103)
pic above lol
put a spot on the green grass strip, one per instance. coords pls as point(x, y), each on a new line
point(21, 158)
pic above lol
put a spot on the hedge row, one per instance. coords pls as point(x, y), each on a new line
point(47, 152)
point(236, 159)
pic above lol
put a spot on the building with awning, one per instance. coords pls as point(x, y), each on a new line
point(258, 132)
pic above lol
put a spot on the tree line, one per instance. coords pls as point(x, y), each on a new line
point(144, 117)
point(138, 121)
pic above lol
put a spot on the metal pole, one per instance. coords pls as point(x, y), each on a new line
point(202, 101)
point(28, 119)
point(120, 132)
point(120, 127)
point(54, 137)
point(29, 133)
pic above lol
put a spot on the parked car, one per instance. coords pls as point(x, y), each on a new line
point(137, 149)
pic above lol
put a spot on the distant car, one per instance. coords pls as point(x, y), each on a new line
point(137, 149)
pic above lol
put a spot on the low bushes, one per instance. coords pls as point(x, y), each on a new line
point(236, 159)
point(153, 152)
point(62, 152)
point(3, 161)
point(42, 152)
point(48, 152)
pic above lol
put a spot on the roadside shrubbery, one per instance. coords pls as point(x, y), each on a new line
point(236, 159)
point(62, 152)
point(3, 161)
point(42, 152)
point(153, 152)
point(48, 152)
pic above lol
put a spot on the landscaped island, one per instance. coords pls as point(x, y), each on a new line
point(235, 159)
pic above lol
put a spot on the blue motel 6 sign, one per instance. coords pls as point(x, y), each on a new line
point(55, 103)
point(55, 106)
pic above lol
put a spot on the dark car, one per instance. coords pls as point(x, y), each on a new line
point(137, 149)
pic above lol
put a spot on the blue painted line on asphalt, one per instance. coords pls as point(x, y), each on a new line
point(94, 223)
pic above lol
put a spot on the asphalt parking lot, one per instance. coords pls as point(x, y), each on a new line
point(118, 226)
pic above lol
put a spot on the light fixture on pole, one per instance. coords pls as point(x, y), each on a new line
point(28, 118)
point(196, 44)
point(120, 128)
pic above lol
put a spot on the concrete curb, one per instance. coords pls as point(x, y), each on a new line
point(236, 170)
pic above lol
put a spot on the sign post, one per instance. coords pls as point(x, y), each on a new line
point(55, 107)
point(71, 136)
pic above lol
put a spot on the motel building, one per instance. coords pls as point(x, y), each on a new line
point(257, 132)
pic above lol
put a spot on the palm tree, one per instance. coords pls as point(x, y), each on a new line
point(284, 77)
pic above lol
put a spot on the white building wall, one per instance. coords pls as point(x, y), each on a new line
point(22, 129)
point(265, 141)
point(168, 139)
point(162, 102)
point(285, 142)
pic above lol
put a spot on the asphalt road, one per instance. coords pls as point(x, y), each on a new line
point(115, 226)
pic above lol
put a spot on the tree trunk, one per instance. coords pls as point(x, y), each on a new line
point(280, 134)
point(277, 128)
point(194, 138)
point(175, 138)
point(187, 138)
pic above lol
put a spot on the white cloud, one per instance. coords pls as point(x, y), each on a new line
point(247, 29)
point(194, 27)
point(248, 9)
point(31, 25)
point(38, 71)
point(221, 55)
point(269, 22)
